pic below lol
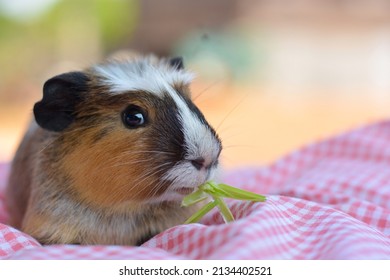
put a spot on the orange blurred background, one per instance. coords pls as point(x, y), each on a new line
point(272, 75)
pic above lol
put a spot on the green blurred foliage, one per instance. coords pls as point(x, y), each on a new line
point(115, 18)
point(70, 30)
point(224, 54)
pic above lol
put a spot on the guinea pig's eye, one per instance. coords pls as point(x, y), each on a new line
point(134, 117)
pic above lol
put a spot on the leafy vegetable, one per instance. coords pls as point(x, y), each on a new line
point(217, 192)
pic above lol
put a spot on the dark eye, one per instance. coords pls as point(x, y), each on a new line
point(134, 117)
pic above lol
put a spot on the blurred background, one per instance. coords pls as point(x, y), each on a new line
point(272, 75)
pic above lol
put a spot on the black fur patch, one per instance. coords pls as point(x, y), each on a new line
point(61, 93)
point(168, 132)
point(177, 62)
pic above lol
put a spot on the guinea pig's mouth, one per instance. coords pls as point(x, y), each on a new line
point(185, 179)
point(184, 191)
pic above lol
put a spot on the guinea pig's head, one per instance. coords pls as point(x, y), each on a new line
point(127, 131)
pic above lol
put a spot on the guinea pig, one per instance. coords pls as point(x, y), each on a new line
point(110, 154)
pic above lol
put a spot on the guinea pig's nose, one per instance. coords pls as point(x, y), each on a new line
point(198, 163)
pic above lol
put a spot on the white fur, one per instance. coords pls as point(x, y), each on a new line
point(147, 74)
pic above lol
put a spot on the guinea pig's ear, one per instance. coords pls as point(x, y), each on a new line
point(177, 63)
point(61, 93)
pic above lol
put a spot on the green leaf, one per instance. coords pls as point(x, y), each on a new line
point(194, 198)
point(224, 209)
point(232, 192)
point(202, 211)
point(217, 192)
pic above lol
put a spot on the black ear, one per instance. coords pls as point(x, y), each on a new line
point(177, 62)
point(60, 95)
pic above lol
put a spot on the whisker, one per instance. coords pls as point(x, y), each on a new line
point(146, 152)
point(231, 111)
point(126, 159)
point(133, 187)
point(238, 146)
point(149, 174)
point(208, 87)
point(124, 156)
point(153, 171)
point(156, 186)
point(46, 146)
point(130, 162)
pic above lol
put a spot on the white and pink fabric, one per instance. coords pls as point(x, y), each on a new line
point(329, 200)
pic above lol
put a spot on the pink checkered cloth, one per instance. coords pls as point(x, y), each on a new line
point(330, 200)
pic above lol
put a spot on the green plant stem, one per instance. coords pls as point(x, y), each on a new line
point(202, 211)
